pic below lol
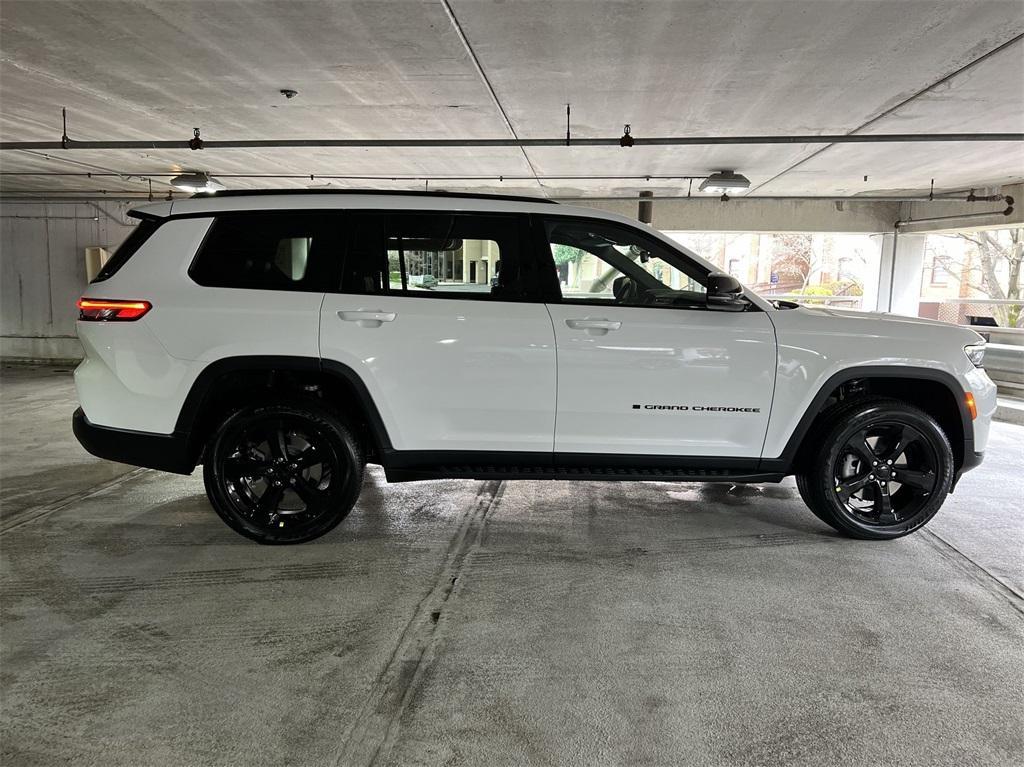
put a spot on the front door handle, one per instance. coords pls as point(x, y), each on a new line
point(594, 327)
point(367, 318)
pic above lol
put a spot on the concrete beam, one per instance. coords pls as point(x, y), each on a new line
point(763, 215)
point(753, 214)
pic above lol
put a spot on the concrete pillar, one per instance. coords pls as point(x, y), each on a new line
point(898, 286)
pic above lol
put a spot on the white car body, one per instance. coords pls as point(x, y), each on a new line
point(452, 376)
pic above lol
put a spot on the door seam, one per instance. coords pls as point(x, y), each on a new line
point(775, 386)
point(554, 341)
point(320, 330)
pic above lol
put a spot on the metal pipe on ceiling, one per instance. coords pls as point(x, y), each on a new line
point(52, 218)
point(436, 143)
point(142, 175)
point(934, 219)
point(833, 198)
point(92, 195)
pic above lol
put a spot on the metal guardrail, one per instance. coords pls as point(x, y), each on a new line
point(801, 298)
point(1005, 366)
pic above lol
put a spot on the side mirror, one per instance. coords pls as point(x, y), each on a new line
point(725, 293)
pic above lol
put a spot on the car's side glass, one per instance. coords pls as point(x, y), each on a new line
point(435, 254)
point(135, 240)
point(269, 251)
point(605, 263)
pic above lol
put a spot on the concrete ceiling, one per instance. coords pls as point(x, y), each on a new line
point(153, 70)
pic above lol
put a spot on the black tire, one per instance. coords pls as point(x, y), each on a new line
point(879, 469)
point(827, 420)
point(804, 488)
point(283, 473)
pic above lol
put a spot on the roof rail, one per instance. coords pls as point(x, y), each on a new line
point(397, 192)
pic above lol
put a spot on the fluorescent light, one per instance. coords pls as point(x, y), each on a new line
point(724, 181)
point(197, 183)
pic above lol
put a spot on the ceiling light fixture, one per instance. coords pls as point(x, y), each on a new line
point(197, 182)
point(724, 181)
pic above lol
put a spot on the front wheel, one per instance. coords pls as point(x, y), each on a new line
point(882, 470)
point(283, 473)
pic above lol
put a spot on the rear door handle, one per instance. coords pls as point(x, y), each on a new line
point(594, 327)
point(367, 318)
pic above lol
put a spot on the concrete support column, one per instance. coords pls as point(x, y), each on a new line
point(898, 289)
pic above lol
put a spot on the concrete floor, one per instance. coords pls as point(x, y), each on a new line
point(483, 623)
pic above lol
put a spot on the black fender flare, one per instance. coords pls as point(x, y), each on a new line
point(784, 461)
point(205, 385)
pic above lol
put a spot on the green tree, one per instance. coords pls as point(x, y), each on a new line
point(565, 254)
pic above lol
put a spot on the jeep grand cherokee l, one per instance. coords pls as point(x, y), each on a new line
point(278, 340)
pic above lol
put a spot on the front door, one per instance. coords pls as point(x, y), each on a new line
point(644, 367)
point(453, 364)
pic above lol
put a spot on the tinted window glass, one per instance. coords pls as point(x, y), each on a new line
point(135, 239)
point(269, 251)
point(437, 254)
point(608, 264)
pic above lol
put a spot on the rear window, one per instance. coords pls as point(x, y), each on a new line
point(269, 251)
point(138, 236)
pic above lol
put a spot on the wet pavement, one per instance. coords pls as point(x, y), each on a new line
point(485, 623)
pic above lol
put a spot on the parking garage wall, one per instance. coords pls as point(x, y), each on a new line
point(42, 272)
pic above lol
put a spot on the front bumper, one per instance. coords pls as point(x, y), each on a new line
point(165, 452)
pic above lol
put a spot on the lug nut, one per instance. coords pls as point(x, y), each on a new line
point(889, 463)
point(871, 476)
point(291, 481)
point(874, 463)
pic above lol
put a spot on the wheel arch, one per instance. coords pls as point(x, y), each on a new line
point(231, 382)
point(936, 392)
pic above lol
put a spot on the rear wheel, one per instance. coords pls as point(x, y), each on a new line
point(283, 473)
point(881, 470)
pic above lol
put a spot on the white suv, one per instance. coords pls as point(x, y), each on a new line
point(279, 340)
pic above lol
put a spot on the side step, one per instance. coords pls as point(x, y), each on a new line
point(578, 473)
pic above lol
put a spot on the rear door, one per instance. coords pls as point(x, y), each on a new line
point(644, 367)
point(453, 362)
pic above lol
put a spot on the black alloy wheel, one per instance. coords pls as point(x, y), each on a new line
point(283, 473)
point(882, 470)
point(885, 474)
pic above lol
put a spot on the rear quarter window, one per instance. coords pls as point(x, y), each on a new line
point(135, 240)
point(269, 251)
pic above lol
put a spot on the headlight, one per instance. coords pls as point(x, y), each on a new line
point(976, 354)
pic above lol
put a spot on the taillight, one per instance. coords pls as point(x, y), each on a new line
point(101, 309)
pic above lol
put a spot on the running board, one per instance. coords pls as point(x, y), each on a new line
point(578, 473)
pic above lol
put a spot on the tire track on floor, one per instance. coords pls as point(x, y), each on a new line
point(34, 513)
point(112, 585)
point(990, 582)
point(674, 547)
point(375, 729)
